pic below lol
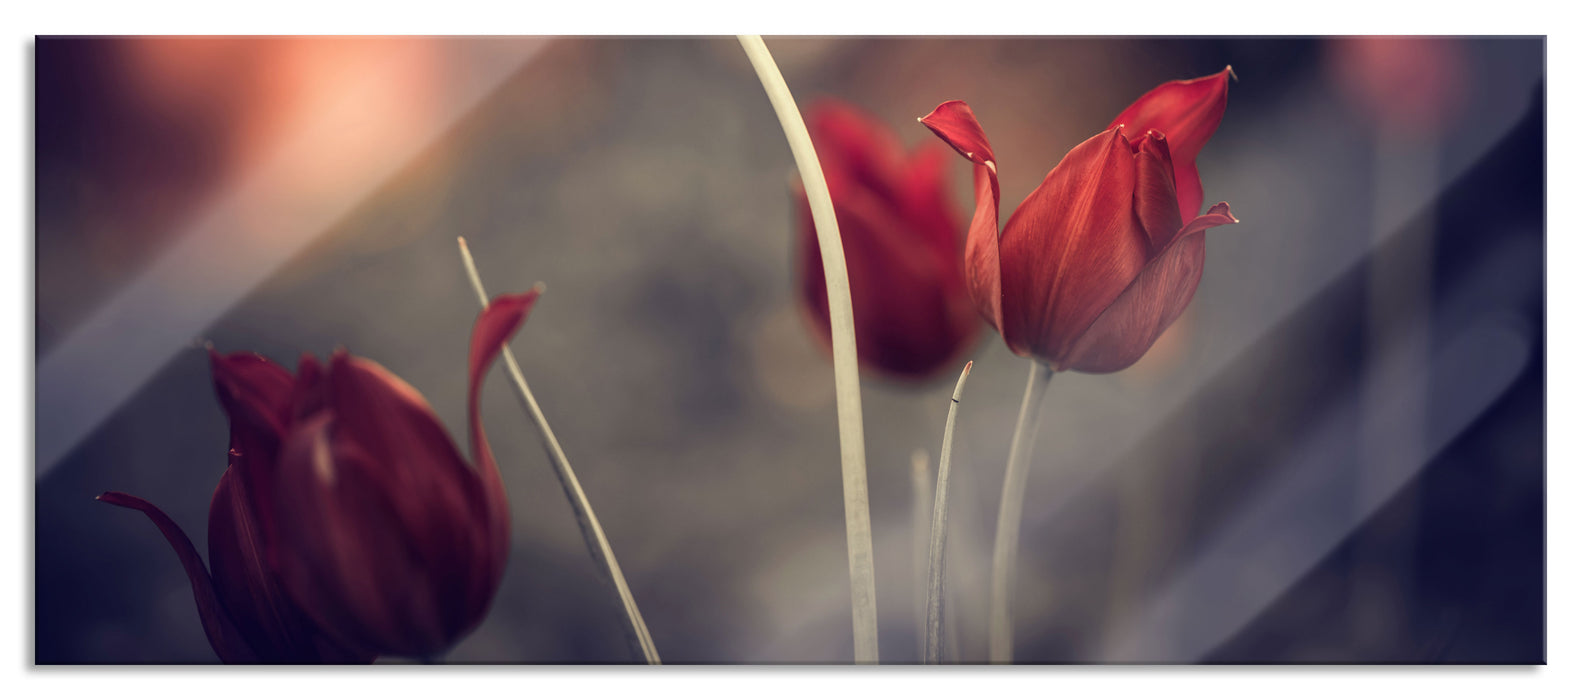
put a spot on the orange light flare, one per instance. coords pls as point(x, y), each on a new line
point(258, 100)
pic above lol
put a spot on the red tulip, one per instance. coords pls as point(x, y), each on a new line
point(1408, 86)
point(347, 524)
point(902, 240)
point(1096, 263)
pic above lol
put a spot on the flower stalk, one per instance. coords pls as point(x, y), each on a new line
point(843, 339)
point(1007, 530)
point(936, 545)
point(922, 519)
point(592, 533)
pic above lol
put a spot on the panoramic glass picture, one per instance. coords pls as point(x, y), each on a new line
point(788, 350)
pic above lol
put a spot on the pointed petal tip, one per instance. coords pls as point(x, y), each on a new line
point(116, 498)
point(934, 115)
point(1223, 209)
point(968, 369)
point(1232, 73)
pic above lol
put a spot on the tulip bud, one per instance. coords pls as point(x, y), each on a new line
point(1096, 263)
point(347, 525)
point(902, 241)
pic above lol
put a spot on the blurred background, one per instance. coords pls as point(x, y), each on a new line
point(1335, 456)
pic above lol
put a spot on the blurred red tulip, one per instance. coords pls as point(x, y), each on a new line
point(1096, 263)
point(347, 524)
point(902, 239)
point(1408, 86)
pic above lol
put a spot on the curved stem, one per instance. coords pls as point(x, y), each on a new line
point(1008, 529)
point(936, 544)
point(922, 519)
point(587, 522)
point(843, 338)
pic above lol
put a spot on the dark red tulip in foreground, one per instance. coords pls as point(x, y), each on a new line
point(902, 239)
point(347, 525)
point(1104, 255)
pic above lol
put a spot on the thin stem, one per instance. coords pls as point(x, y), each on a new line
point(587, 522)
point(922, 518)
point(936, 544)
point(1008, 529)
point(843, 338)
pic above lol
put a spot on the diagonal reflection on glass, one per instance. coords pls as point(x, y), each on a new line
point(1309, 507)
point(317, 173)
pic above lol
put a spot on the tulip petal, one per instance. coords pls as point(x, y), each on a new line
point(1155, 197)
point(927, 204)
point(217, 625)
point(440, 501)
point(310, 393)
point(861, 154)
point(495, 325)
point(1187, 112)
point(256, 394)
point(352, 559)
point(242, 578)
point(278, 631)
point(1218, 215)
point(1120, 336)
point(954, 122)
point(1071, 247)
point(854, 150)
point(905, 291)
point(253, 389)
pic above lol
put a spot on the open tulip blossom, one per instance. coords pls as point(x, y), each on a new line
point(903, 244)
point(347, 524)
point(1091, 268)
point(1103, 256)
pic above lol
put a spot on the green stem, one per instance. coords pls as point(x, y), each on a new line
point(1008, 529)
point(843, 339)
point(587, 522)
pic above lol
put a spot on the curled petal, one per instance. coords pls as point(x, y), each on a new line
point(1187, 112)
point(495, 325)
point(1120, 336)
point(1071, 247)
point(1218, 215)
point(954, 122)
point(217, 625)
